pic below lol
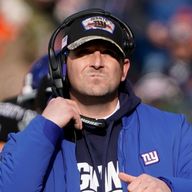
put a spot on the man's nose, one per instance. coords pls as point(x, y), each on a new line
point(97, 60)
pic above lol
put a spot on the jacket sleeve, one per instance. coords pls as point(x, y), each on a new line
point(25, 157)
point(182, 181)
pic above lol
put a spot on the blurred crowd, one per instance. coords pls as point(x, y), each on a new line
point(161, 65)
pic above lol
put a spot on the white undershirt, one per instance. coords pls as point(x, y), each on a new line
point(116, 108)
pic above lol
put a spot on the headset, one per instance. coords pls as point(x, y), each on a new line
point(57, 67)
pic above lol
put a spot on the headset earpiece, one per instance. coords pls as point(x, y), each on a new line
point(55, 72)
point(129, 44)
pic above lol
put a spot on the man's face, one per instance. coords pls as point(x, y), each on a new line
point(95, 69)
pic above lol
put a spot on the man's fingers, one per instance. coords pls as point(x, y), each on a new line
point(126, 178)
point(144, 182)
point(77, 122)
point(131, 180)
point(61, 111)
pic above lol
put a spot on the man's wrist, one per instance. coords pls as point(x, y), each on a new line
point(168, 182)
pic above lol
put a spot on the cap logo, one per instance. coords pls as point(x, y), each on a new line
point(98, 22)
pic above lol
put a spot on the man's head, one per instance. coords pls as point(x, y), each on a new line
point(86, 29)
point(180, 34)
point(95, 69)
point(39, 69)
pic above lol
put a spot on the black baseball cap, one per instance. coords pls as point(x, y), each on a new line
point(94, 27)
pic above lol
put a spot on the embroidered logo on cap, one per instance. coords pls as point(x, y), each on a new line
point(98, 22)
point(150, 158)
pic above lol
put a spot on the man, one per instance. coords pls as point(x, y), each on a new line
point(17, 111)
point(99, 137)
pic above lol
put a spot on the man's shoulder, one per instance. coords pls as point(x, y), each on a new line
point(153, 121)
point(143, 107)
point(151, 114)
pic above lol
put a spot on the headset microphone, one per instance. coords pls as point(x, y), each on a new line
point(99, 123)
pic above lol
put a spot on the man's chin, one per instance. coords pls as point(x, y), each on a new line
point(96, 91)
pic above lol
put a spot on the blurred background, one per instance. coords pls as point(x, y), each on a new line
point(161, 70)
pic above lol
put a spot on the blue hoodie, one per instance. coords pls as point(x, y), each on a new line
point(43, 158)
point(150, 141)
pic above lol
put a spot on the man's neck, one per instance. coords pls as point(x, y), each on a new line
point(96, 107)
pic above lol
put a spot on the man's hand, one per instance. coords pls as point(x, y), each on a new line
point(144, 183)
point(61, 111)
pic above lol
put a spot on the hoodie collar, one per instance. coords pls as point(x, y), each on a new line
point(128, 102)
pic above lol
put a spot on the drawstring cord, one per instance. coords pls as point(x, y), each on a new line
point(101, 177)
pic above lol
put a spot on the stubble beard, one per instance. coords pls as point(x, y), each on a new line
point(93, 95)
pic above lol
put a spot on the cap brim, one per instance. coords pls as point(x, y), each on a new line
point(86, 39)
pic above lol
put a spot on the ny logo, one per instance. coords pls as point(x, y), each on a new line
point(150, 157)
point(100, 24)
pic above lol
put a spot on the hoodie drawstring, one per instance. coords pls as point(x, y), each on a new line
point(101, 177)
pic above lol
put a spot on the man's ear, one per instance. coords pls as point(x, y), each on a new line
point(126, 66)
